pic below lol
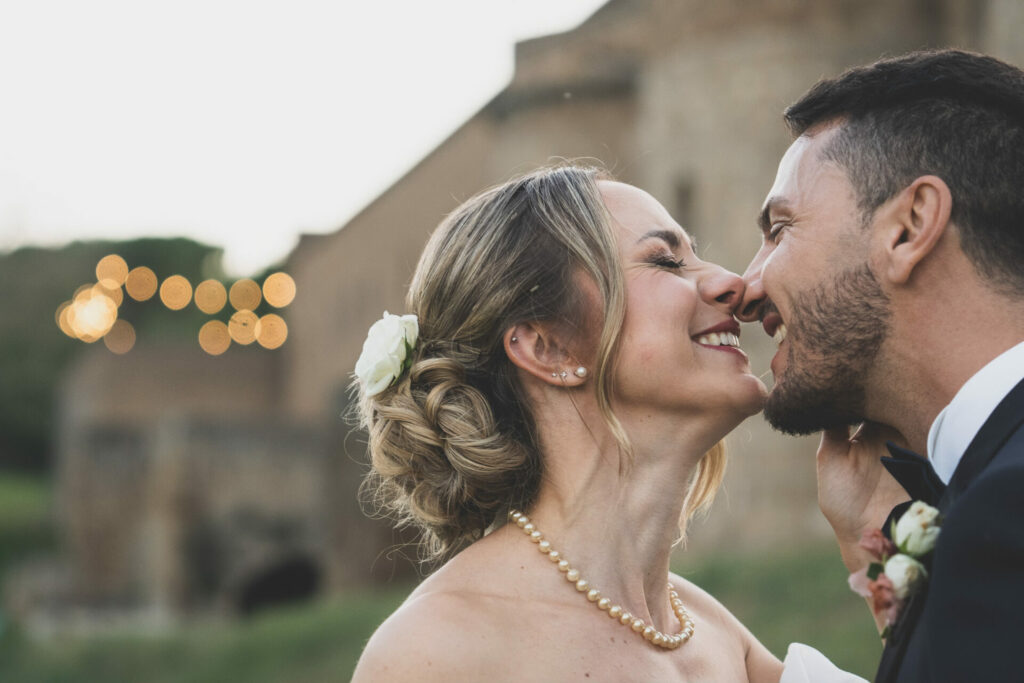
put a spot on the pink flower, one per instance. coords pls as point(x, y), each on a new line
point(884, 600)
point(880, 547)
point(880, 592)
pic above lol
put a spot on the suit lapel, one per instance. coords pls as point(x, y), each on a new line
point(998, 428)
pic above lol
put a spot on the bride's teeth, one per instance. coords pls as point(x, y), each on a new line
point(780, 334)
point(719, 339)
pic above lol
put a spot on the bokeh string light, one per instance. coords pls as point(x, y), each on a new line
point(92, 313)
point(245, 295)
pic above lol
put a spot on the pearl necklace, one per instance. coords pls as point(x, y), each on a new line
point(594, 596)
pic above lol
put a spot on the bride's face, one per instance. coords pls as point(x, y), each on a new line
point(679, 348)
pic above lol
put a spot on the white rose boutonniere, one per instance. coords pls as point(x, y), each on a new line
point(904, 572)
point(917, 529)
point(897, 573)
point(387, 352)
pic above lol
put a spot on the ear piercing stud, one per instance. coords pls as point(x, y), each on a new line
point(580, 372)
point(514, 339)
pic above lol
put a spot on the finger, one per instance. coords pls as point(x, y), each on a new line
point(876, 434)
point(835, 442)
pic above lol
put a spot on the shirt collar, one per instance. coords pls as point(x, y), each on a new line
point(959, 422)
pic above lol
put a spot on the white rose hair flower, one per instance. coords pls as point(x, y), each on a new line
point(387, 352)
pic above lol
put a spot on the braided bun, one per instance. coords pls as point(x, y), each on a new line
point(440, 458)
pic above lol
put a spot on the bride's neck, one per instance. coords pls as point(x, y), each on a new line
point(615, 517)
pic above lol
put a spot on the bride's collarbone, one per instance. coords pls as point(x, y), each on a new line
point(513, 636)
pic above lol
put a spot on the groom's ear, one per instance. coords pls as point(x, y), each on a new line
point(910, 225)
point(541, 350)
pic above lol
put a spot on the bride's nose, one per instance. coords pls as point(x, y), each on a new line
point(722, 289)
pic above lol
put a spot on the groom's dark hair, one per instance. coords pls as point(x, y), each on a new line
point(949, 113)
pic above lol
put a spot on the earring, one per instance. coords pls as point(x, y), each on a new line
point(564, 374)
point(554, 374)
point(514, 339)
point(580, 372)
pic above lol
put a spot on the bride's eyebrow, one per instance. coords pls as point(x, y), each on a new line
point(670, 237)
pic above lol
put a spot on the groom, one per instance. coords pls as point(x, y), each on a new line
point(891, 275)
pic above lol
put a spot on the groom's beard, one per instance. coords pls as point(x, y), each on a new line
point(834, 337)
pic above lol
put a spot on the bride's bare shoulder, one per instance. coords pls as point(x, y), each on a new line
point(449, 628)
point(424, 640)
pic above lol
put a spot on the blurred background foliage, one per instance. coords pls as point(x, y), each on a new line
point(34, 354)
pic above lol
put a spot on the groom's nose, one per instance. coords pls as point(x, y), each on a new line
point(751, 308)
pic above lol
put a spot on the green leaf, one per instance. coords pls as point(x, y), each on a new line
point(874, 569)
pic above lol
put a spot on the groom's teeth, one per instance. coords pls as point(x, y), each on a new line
point(780, 334)
point(719, 339)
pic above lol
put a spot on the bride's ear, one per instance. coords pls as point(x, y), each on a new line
point(540, 350)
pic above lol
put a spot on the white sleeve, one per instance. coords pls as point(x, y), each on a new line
point(804, 664)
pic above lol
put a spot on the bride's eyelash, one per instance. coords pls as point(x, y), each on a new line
point(666, 261)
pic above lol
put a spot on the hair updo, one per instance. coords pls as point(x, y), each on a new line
point(452, 443)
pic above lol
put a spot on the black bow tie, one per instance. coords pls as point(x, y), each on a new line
point(915, 474)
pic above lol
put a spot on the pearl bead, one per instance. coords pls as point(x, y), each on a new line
point(638, 625)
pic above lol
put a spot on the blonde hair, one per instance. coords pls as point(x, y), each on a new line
point(453, 444)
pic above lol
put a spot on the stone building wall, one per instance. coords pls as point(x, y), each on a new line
point(188, 481)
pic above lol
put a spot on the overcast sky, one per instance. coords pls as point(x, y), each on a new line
point(240, 124)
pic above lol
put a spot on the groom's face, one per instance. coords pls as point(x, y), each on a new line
point(812, 288)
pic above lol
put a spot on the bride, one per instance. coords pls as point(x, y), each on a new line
point(549, 415)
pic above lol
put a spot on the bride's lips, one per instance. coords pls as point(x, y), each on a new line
point(725, 336)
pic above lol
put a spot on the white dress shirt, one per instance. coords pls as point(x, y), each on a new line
point(959, 422)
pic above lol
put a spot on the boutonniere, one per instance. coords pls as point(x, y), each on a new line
point(898, 571)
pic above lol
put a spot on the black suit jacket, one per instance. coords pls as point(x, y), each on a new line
point(968, 624)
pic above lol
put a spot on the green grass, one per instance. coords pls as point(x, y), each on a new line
point(798, 596)
point(312, 644)
point(785, 598)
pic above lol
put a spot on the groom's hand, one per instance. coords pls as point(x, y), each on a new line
point(855, 491)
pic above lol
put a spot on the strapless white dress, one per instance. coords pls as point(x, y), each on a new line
point(804, 664)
